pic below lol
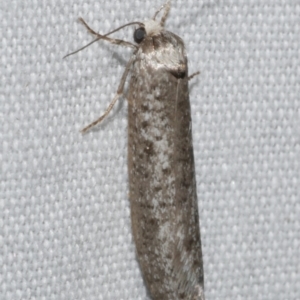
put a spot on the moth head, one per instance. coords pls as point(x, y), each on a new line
point(150, 28)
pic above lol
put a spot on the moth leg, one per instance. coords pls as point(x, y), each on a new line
point(117, 96)
point(193, 75)
point(104, 37)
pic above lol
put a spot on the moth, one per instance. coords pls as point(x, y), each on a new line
point(161, 171)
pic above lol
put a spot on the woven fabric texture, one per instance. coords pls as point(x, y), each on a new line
point(64, 209)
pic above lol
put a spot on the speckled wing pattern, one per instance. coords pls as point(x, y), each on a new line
point(163, 198)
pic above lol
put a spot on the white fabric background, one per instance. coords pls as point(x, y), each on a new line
point(64, 209)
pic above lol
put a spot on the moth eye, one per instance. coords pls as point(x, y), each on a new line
point(139, 35)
